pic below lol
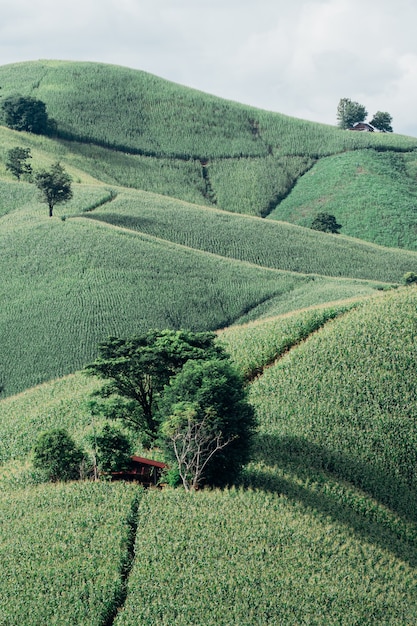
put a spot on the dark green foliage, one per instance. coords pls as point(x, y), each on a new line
point(410, 278)
point(112, 449)
point(382, 121)
point(138, 368)
point(326, 223)
point(17, 162)
point(350, 113)
point(207, 423)
point(25, 113)
point(54, 185)
point(57, 456)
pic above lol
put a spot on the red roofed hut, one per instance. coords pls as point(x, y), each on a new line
point(363, 126)
point(144, 471)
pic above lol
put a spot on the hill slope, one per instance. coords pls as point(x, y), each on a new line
point(373, 194)
point(234, 156)
point(323, 528)
point(345, 401)
point(282, 550)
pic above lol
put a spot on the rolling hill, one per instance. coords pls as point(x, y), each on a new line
point(167, 228)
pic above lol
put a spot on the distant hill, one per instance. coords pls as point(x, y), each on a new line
point(167, 228)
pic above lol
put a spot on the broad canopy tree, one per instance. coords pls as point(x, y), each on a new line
point(382, 121)
point(25, 113)
point(207, 423)
point(54, 186)
point(350, 113)
point(137, 369)
point(179, 389)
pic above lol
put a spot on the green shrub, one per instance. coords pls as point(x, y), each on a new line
point(57, 456)
point(112, 449)
point(410, 278)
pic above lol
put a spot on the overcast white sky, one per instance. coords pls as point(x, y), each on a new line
point(297, 57)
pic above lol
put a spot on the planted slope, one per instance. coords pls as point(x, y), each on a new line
point(83, 99)
point(253, 557)
point(256, 345)
point(263, 242)
point(345, 400)
point(72, 283)
point(373, 195)
point(216, 152)
point(63, 550)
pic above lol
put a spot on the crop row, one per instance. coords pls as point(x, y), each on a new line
point(62, 552)
point(345, 400)
point(253, 557)
point(262, 242)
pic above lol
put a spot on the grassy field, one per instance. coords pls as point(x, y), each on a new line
point(62, 553)
point(372, 194)
point(322, 528)
point(267, 243)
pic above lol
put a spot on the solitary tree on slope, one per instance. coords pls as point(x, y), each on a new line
point(54, 185)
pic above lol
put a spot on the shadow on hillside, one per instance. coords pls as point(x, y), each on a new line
point(307, 462)
point(123, 221)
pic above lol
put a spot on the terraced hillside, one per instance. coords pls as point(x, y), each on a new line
point(166, 229)
point(321, 531)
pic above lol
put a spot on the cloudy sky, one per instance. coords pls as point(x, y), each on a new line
point(297, 57)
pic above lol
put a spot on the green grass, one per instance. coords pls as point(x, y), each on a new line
point(345, 401)
point(253, 557)
point(263, 242)
point(72, 283)
point(63, 549)
point(372, 194)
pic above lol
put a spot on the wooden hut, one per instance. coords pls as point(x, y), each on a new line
point(144, 471)
point(363, 126)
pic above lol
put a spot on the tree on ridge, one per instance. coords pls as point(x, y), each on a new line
point(54, 185)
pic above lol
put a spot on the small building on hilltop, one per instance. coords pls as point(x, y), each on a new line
point(363, 126)
point(144, 471)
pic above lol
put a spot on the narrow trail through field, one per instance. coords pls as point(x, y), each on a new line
point(126, 565)
point(259, 371)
